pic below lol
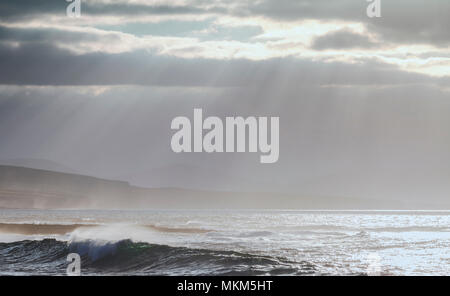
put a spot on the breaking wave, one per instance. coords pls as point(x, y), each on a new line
point(126, 257)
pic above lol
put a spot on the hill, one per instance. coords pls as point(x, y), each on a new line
point(34, 188)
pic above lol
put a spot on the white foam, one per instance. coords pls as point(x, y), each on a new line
point(114, 233)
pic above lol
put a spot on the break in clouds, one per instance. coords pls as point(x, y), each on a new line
point(363, 102)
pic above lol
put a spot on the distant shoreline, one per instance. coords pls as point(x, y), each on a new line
point(26, 188)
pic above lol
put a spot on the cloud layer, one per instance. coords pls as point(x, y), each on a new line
point(363, 102)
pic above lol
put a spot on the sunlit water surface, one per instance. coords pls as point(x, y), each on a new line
point(226, 242)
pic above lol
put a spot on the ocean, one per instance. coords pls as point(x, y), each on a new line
point(225, 242)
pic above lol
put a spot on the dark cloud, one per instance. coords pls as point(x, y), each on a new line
point(402, 21)
point(51, 36)
point(22, 9)
point(11, 9)
point(342, 40)
point(292, 10)
point(42, 64)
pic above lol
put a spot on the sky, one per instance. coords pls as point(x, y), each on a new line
point(363, 102)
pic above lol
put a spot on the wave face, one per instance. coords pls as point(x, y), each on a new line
point(48, 257)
